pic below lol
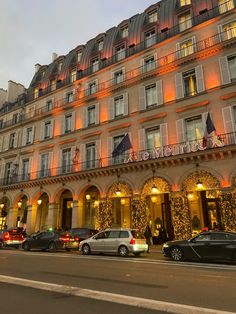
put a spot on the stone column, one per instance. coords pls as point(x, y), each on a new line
point(11, 219)
point(228, 211)
point(104, 215)
point(52, 215)
point(75, 214)
point(138, 214)
point(181, 218)
point(31, 218)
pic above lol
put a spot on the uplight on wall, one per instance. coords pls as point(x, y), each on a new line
point(88, 197)
point(19, 204)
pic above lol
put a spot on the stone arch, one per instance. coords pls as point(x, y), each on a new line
point(209, 181)
point(124, 187)
point(232, 178)
point(124, 181)
point(59, 192)
point(85, 187)
point(149, 177)
point(161, 183)
point(19, 196)
point(37, 194)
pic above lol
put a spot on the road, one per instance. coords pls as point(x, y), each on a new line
point(62, 282)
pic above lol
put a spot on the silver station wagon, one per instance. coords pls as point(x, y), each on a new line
point(120, 241)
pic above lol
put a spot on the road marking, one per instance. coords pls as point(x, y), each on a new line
point(131, 260)
point(111, 297)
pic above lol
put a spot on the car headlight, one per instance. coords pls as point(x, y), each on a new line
point(165, 245)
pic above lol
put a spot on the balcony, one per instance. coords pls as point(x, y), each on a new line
point(220, 147)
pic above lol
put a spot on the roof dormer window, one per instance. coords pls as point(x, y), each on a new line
point(59, 66)
point(152, 16)
point(124, 31)
point(185, 2)
point(79, 55)
point(100, 44)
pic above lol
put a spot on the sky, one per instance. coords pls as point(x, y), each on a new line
point(30, 30)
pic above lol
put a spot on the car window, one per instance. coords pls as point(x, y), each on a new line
point(48, 235)
point(230, 236)
point(137, 235)
point(114, 234)
point(218, 236)
point(124, 234)
point(102, 235)
point(203, 237)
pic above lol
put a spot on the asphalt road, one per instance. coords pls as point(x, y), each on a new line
point(63, 282)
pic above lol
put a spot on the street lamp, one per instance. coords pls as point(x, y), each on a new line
point(39, 201)
point(88, 197)
point(199, 184)
point(19, 204)
point(2, 205)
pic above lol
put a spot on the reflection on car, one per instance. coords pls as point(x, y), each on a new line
point(81, 234)
point(120, 241)
point(49, 240)
point(211, 245)
point(12, 237)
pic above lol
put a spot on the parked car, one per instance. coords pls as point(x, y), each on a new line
point(49, 240)
point(119, 241)
point(211, 245)
point(81, 234)
point(12, 237)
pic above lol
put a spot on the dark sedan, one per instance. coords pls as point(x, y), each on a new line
point(211, 245)
point(48, 240)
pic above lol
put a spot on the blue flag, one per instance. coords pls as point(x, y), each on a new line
point(209, 125)
point(124, 145)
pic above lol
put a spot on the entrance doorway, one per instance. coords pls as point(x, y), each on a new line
point(211, 212)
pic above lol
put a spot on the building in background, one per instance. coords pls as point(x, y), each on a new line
point(165, 79)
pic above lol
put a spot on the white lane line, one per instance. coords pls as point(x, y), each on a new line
point(111, 297)
point(131, 260)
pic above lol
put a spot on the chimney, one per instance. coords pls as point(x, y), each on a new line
point(14, 90)
point(37, 67)
point(3, 96)
point(54, 56)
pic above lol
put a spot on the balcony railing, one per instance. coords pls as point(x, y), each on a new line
point(179, 149)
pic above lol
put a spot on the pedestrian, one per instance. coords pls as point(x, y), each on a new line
point(148, 236)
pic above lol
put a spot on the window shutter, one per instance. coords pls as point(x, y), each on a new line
point(112, 108)
point(65, 97)
point(126, 103)
point(16, 139)
point(82, 156)
point(112, 77)
point(159, 93)
point(6, 142)
point(50, 162)
point(130, 138)
point(72, 154)
point(1, 143)
point(85, 114)
point(39, 163)
point(142, 65)
point(220, 31)
point(33, 133)
point(224, 70)
point(96, 81)
point(123, 73)
point(142, 98)
point(180, 130)
point(194, 43)
point(30, 167)
point(200, 79)
point(24, 137)
point(86, 89)
point(164, 134)
point(63, 124)
point(142, 139)
point(228, 120)
point(98, 150)
point(109, 149)
point(97, 114)
point(73, 126)
point(179, 86)
point(42, 131)
point(178, 52)
point(52, 128)
point(74, 94)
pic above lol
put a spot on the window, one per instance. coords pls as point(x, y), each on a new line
point(1, 123)
point(59, 66)
point(232, 67)
point(203, 237)
point(184, 2)
point(44, 165)
point(118, 77)
point(69, 97)
point(29, 135)
point(36, 93)
point(8, 168)
point(229, 30)
point(100, 45)
point(79, 55)
point(150, 38)
point(225, 5)
point(25, 169)
point(53, 85)
point(73, 76)
point(119, 106)
point(194, 128)
point(49, 105)
point(116, 141)
point(152, 16)
point(90, 155)
point(190, 83)
point(92, 88)
point(124, 32)
point(47, 130)
point(66, 160)
point(149, 64)
point(186, 48)
point(12, 140)
point(153, 138)
point(91, 115)
point(95, 65)
point(15, 118)
point(151, 95)
point(120, 53)
point(68, 123)
point(185, 22)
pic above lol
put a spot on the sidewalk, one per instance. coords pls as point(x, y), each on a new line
point(154, 248)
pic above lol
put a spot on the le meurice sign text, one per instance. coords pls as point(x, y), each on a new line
point(173, 150)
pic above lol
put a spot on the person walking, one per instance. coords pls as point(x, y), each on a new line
point(148, 236)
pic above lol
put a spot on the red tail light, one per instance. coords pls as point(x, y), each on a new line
point(132, 241)
point(6, 236)
point(76, 238)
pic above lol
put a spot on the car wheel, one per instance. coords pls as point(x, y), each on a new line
point(86, 249)
point(123, 251)
point(52, 247)
point(26, 246)
point(176, 254)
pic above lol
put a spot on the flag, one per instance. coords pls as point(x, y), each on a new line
point(209, 125)
point(210, 134)
point(124, 145)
